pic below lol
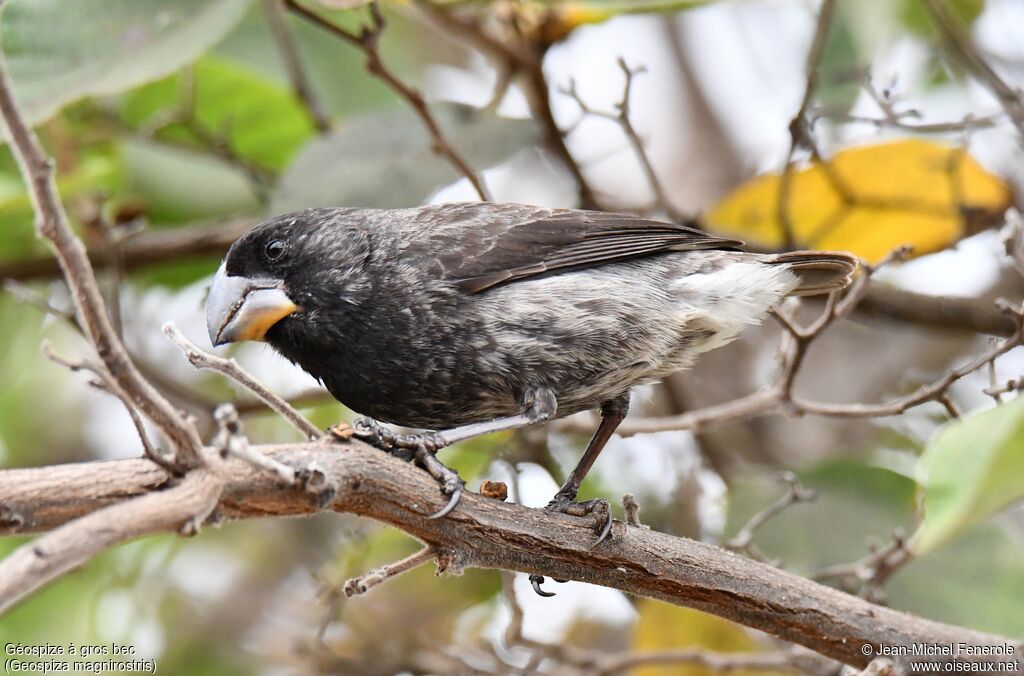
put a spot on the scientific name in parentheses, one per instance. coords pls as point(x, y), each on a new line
point(944, 650)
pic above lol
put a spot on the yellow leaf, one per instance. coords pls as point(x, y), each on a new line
point(666, 627)
point(868, 201)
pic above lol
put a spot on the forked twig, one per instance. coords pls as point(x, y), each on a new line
point(368, 40)
point(367, 581)
point(232, 369)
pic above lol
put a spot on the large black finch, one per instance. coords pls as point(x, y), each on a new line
point(471, 318)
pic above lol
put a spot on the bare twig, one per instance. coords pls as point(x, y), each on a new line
point(1012, 385)
point(113, 237)
point(869, 575)
point(539, 97)
point(897, 119)
point(367, 581)
point(286, 47)
point(966, 52)
point(968, 122)
point(632, 509)
point(107, 383)
point(625, 122)
point(52, 224)
point(368, 40)
point(800, 126)
point(743, 541)
point(28, 296)
point(231, 442)
point(231, 368)
point(520, 54)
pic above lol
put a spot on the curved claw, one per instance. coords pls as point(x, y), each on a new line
point(605, 530)
point(537, 581)
point(456, 495)
point(368, 430)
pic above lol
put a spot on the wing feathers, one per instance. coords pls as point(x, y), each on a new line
point(508, 248)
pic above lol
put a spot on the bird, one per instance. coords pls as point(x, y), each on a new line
point(462, 319)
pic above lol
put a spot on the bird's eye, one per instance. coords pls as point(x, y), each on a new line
point(274, 249)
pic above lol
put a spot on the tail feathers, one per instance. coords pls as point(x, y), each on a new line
point(819, 272)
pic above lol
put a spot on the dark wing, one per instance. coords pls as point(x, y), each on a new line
point(503, 248)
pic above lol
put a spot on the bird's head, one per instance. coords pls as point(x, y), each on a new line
point(288, 274)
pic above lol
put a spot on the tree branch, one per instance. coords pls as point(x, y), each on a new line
point(232, 369)
point(368, 41)
point(272, 10)
point(622, 118)
point(778, 396)
point(966, 52)
point(52, 224)
point(146, 249)
point(180, 508)
point(480, 532)
point(799, 126)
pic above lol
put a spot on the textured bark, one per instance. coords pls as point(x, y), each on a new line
point(487, 533)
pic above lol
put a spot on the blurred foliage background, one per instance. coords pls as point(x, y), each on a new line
point(183, 116)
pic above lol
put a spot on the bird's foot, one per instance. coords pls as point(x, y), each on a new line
point(599, 508)
point(537, 580)
point(402, 446)
point(563, 503)
point(422, 448)
point(450, 482)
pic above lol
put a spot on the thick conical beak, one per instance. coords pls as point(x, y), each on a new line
point(239, 308)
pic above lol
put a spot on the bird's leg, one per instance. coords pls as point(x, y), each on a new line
point(538, 405)
point(613, 412)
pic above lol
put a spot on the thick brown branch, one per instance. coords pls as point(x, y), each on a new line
point(480, 532)
point(965, 314)
point(181, 508)
point(149, 248)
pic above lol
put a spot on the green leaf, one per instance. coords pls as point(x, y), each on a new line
point(982, 582)
point(384, 159)
point(58, 51)
point(337, 73)
point(179, 185)
point(970, 470)
point(592, 11)
point(916, 17)
point(92, 172)
point(261, 120)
